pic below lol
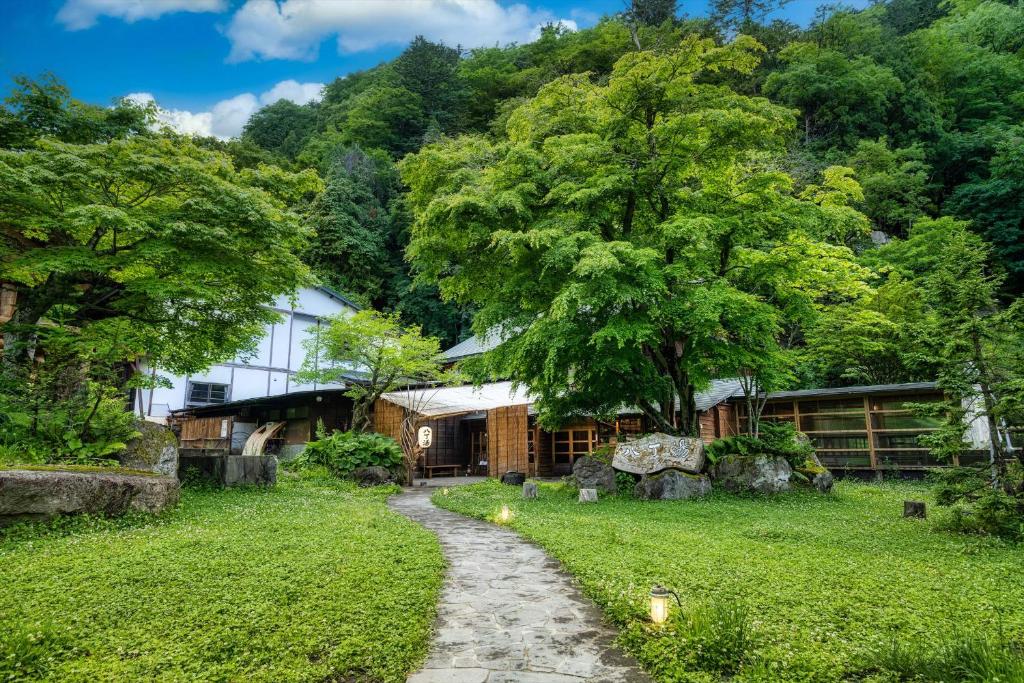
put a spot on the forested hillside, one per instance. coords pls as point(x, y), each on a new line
point(921, 98)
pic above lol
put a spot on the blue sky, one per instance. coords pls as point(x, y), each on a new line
point(210, 63)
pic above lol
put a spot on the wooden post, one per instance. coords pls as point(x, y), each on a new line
point(914, 508)
point(588, 495)
point(870, 433)
point(530, 490)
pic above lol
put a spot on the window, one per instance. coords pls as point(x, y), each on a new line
point(205, 394)
point(570, 444)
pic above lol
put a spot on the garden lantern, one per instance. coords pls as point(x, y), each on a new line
point(659, 603)
point(506, 514)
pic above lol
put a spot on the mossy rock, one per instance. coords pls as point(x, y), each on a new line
point(155, 449)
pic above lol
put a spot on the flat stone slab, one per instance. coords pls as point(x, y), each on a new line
point(657, 452)
point(508, 612)
point(27, 495)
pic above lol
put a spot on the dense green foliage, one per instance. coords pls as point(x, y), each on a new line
point(798, 587)
point(628, 258)
point(922, 99)
point(343, 452)
point(118, 243)
point(311, 580)
point(774, 440)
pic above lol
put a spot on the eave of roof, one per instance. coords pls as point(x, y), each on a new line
point(906, 387)
point(335, 294)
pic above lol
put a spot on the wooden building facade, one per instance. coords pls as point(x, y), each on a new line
point(498, 433)
point(867, 428)
point(224, 428)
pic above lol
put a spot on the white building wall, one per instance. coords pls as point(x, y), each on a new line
point(269, 371)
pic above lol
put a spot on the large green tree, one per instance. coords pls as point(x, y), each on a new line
point(282, 127)
point(151, 231)
point(44, 107)
point(634, 235)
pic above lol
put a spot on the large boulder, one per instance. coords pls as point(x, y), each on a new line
point(154, 450)
point(372, 476)
point(657, 452)
point(672, 485)
point(41, 494)
point(757, 474)
point(591, 473)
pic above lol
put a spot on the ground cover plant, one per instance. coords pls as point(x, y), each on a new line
point(797, 587)
point(311, 580)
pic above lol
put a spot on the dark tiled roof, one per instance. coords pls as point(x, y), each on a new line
point(473, 346)
point(720, 390)
point(858, 390)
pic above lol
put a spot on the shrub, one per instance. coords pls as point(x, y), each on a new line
point(344, 452)
point(775, 440)
point(625, 483)
point(977, 506)
point(87, 427)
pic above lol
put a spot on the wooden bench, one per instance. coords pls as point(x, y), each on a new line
point(429, 469)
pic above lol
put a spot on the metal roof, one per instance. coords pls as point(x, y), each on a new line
point(858, 390)
point(444, 401)
point(335, 294)
point(473, 346)
point(720, 390)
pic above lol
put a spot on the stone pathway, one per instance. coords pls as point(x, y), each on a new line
point(508, 612)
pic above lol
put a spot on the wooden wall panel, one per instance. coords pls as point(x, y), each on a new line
point(387, 419)
point(707, 426)
point(726, 420)
point(506, 440)
point(206, 432)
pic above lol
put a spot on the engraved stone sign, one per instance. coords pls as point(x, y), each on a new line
point(656, 452)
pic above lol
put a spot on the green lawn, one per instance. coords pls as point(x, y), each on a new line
point(311, 580)
point(827, 583)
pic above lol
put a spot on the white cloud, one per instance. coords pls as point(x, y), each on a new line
point(76, 15)
point(299, 93)
point(227, 117)
point(294, 29)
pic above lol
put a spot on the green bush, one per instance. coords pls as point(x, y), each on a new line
point(625, 483)
point(87, 427)
point(343, 452)
point(978, 507)
point(775, 440)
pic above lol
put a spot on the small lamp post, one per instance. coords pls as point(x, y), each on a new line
point(505, 514)
point(660, 604)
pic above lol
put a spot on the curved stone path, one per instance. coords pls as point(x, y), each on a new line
point(509, 612)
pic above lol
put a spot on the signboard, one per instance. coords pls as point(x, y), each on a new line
point(425, 437)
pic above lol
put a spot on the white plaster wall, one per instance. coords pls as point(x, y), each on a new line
point(269, 372)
